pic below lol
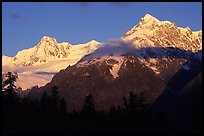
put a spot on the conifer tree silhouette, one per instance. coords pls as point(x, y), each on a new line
point(88, 107)
point(45, 101)
point(63, 106)
point(135, 104)
point(55, 98)
point(9, 87)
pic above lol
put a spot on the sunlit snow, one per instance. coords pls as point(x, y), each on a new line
point(42, 73)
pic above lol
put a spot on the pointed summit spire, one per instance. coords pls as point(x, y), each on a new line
point(46, 40)
point(46, 37)
point(148, 18)
point(94, 42)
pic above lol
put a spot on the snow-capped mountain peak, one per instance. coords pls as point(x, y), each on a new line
point(150, 32)
point(93, 41)
point(48, 49)
point(46, 40)
point(52, 42)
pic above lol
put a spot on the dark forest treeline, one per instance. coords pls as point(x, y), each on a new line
point(49, 115)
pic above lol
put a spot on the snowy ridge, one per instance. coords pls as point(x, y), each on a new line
point(48, 50)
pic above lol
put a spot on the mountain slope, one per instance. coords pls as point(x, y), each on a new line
point(182, 108)
point(157, 41)
point(115, 69)
point(107, 78)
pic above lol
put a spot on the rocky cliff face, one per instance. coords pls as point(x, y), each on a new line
point(108, 79)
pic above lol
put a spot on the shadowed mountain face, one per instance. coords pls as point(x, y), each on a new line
point(165, 62)
point(110, 77)
point(181, 102)
point(189, 71)
point(185, 109)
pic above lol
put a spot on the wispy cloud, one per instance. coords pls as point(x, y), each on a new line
point(86, 5)
point(16, 16)
point(82, 4)
point(116, 47)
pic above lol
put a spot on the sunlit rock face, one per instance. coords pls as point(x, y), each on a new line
point(107, 78)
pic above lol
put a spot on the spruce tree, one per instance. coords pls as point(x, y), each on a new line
point(9, 87)
point(88, 107)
